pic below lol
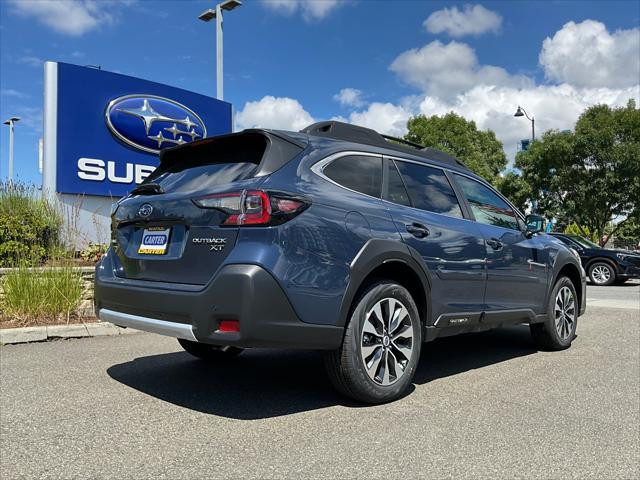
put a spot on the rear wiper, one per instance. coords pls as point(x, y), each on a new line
point(147, 189)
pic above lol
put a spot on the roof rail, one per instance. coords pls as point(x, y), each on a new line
point(367, 136)
point(402, 140)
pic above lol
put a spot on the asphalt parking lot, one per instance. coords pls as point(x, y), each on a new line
point(483, 406)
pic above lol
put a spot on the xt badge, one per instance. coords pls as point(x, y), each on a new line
point(215, 244)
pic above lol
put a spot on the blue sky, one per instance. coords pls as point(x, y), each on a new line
point(370, 62)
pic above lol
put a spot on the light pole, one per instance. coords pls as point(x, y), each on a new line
point(209, 15)
point(520, 112)
point(11, 122)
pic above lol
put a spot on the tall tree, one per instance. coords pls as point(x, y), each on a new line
point(629, 234)
point(480, 150)
point(590, 176)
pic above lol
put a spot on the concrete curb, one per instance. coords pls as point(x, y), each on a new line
point(10, 336)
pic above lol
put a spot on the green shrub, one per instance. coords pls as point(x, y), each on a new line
point(29, 225)
point(43, 294)
point(93, 252)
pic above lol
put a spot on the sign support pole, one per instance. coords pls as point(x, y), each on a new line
point(50, 146)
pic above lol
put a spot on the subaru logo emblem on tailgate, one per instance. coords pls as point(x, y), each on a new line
point(145, 210)
point(150, 123)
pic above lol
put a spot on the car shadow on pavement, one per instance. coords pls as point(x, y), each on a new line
point(269, 383)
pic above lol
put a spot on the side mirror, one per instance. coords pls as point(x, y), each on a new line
point(535, 224)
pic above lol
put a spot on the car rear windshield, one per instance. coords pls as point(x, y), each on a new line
point(221, 160)
point(194, 175)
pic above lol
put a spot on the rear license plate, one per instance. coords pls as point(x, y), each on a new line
point(155, 241)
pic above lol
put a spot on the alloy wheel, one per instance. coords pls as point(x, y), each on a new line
point(600, 274)
point(386, 343)
point(565, 312)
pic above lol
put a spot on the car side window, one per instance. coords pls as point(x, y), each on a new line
point(487, 207)
point(429, 189)
point(569, 242)
point(396, 192)
point(357, 172)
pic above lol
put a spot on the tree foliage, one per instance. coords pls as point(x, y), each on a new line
point(629, 234)
point(590, 176)
point(480, 150)
point(574, 229)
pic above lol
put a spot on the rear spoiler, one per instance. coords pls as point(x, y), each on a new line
point(277, 148)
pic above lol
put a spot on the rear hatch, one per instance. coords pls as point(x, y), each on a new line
point(160, 233)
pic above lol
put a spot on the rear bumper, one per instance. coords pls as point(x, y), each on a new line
point(162, 327)
point(246, 293)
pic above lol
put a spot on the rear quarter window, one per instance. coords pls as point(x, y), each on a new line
point(357, 172)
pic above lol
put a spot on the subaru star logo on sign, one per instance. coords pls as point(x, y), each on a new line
point(106, 130)
point(150, 123)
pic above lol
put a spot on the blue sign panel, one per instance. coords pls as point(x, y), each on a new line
point(111, 128)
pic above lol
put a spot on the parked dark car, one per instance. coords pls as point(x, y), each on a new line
point(604, 266)
point(333, 238)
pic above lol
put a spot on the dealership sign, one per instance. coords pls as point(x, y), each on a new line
point(104, 131)
point(142, 121)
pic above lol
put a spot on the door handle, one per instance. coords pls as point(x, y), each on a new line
point(494, 243)
point(418, 230)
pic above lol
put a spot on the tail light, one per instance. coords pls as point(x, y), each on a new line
point(229, 326)
point(255, 207)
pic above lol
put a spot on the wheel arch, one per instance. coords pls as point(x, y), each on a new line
point(572, 272)
point(607, 260)
point(392, 260)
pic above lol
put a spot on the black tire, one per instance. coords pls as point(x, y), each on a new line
point(547, 335)
point(208, 352)
point(602, 273)
point(346, 366)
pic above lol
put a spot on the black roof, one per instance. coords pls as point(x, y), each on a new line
point(367, 136)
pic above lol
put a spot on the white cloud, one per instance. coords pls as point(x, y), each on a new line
point(450, 78)
point(587, 55)
point(30, 117)
point(492, 108)
point(472, 20)
point(447, 70)
point(554, 107)
point(31, 61)
point(385, 118)
point(349, 97)
point(309, 9)
point(274, 112)
point(70, 17)
point(10, 92)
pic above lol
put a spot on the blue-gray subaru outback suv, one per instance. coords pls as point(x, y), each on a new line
point(334, 238)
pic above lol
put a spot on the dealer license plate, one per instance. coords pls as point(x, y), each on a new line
point(155, 241)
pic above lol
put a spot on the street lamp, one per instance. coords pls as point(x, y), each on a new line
point(11, 122)
point(520, 112)
point(216, 13)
